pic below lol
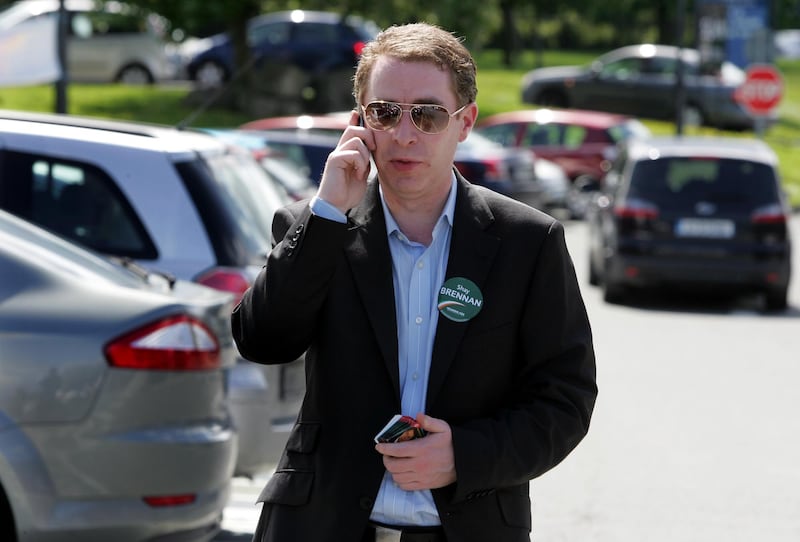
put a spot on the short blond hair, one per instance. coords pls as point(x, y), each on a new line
point(420, 42)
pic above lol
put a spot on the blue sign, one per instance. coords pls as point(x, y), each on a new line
point(734, 30)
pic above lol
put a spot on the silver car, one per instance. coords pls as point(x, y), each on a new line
point(175, 201)
point(114, 423)
point(106, 42)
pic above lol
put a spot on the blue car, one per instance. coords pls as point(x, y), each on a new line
point(316, 42)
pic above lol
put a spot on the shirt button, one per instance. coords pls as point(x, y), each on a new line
point(418, 319)
point(415, 376)
point(420, 265)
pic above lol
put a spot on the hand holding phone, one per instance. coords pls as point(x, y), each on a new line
point(344, 180)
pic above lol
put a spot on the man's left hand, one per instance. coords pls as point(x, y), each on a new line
point(423, 463)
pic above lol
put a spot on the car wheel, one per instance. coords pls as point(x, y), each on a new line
point(210, 74)
point(776, 300)
point(135, 74)
point(613, 292)
point(692, 116)
point(7, 524)
point(551, 98)
point(594, 275)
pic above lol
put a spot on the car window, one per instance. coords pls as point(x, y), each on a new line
point(543, 134)
point(573, 136)
point(504, 134)
point(624, 68)
point(76, 200)
point(631, 128)
point(273, 33)
point(316, 33)
point(681, 181)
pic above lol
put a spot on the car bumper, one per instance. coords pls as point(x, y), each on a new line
point(264, 402)
point(652, 271)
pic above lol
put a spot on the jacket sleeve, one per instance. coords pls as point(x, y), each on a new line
point(275, 319)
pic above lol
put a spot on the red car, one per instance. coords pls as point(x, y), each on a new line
point(581, 142)
point(333, 123)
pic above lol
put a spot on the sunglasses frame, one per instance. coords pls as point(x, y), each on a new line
point(407, 108)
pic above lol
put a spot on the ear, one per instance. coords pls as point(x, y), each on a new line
point(467, 119)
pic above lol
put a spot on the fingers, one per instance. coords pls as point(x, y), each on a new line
point(423, 463)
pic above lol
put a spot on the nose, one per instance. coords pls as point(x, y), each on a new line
point(405, 132)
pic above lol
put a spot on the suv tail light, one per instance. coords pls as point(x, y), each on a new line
point(636, 209)
point(358, 47)
point(769, 214)
point(227, 280)
point(177, 343)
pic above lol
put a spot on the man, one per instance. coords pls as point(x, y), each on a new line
point(417, 294)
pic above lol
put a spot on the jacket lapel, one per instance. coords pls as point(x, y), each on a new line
point(472, 251)
point(371, 264)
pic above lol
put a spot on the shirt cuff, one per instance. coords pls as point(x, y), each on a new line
point(323, 209)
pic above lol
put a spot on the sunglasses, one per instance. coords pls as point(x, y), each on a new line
point(428, 118)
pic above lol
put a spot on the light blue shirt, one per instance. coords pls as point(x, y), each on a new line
point(418, 272)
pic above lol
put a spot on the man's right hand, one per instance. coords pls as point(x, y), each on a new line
point(344, 180)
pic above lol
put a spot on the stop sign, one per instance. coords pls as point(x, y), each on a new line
point(762, 89)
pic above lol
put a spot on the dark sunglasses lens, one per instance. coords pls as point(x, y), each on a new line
point(383, 115)
point(430, 119)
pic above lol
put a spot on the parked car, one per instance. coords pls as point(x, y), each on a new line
point(507, 170)
point(175, 201)
point(291, 176)
point(113, 419)
point(692, 212)
point(640, 80)
point(106, 42)
point(322, 46)
point(330, 124)
point(308, 151)
point(514, 172)
point(582, 142)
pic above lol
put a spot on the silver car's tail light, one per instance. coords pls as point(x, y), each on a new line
point(227, 280)
point(160, 501)
point(178, 343)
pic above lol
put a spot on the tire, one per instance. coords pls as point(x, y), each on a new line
point(8, 530)
point(613, 292)
point(594, 275)
point(135, 74)
point(776, 300)
point(210, 74)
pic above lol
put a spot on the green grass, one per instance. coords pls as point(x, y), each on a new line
point(499, 90)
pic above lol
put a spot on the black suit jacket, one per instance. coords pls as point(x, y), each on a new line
point(516, 383)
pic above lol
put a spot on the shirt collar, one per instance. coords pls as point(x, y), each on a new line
point(447, 212)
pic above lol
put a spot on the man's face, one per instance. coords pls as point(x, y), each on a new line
point(413, 165)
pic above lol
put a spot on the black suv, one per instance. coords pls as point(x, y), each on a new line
point(692, 211)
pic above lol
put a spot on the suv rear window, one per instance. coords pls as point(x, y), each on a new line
point(680, 182)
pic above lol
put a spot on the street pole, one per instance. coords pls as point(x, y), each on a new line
point(680, 87)
point(61, 44)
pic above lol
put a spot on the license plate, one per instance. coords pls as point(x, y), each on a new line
point(705, 227)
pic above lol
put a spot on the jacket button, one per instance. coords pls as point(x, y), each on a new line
point(366, 503)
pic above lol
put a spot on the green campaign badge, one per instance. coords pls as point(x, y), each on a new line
point(460, 299)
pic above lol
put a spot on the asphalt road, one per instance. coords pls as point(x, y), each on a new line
point(696, 434)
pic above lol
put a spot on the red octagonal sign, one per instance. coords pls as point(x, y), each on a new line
point(762, 89)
